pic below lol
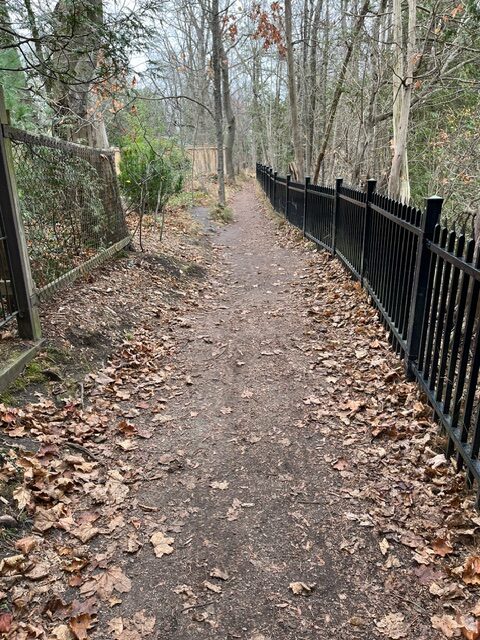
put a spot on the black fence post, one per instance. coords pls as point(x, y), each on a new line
point(305, 203)
point(270, 184)
point(28, 318)
point(420, 283)
point(274, 199)
point(287, 186)
point(371, 186)
point(338, 184)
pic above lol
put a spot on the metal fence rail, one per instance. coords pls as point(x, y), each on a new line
point(424, 281)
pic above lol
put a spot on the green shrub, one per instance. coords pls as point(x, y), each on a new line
point(151, 172)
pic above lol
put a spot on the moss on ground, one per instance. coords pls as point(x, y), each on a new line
point(221, 214)
point(50, 364)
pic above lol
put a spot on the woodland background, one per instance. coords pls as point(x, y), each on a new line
point(377, 88)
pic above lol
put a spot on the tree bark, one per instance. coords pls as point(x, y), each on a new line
point(399, 183)
point(339, 88)
point(229, 116)
point(77, 114)
point(292, 93)
point(312, 85)
point(217, 97)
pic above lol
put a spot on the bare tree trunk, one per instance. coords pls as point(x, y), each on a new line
point(312, 85)
point(78, 117)
point(339, 87)
point(292, 93)
point(368, 126)
point(399, 183)
point(230, 117)
point(217, 97)
point(257, 129)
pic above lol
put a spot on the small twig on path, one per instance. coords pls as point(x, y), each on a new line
point(157, 477)
point(197, 606)
point(84, 450)
point(147, 507)
point(415, 605)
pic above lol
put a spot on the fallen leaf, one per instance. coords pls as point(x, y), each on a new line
point(442, 547)
point(25, 545)
point(5, 622)
point(85, 532)
point(39, 571)
point(222, 485)
point(161, 544)
point(115, 626)
point(392, 626)
point(469, 627)
point(145, 624)
point(301, 588)
point(22, 497)
point(62, 632)
point(79, 625)
point(216, 588)
point(471, 570)
point(446, 624)
point(218, 573)
point(384, 546)
point(112, 578)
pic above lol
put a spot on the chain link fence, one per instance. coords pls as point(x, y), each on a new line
point(70, 206)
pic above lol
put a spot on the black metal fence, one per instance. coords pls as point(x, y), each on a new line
point(424, 281)
point(8, 306)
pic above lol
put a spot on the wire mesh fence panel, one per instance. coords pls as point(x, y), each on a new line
point(69, 202)
point(350, 227)
point(296, 203)
point(319, 215)
point(7, 297)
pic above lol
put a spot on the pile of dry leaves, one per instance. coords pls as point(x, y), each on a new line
point(63, 477)
point(389, 454)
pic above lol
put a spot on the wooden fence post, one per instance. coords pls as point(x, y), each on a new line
point(338, 184)
point(28, 318)
point(420, 283)
point(371, 186)
point(287, 186)
point(305, 203)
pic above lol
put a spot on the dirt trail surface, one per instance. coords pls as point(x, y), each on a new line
point(278, 477)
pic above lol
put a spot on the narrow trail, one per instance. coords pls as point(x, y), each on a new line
point(244, 485)
point(247, 462)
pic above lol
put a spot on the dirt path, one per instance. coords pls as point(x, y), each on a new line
point(250, 463)
point(244, 485)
